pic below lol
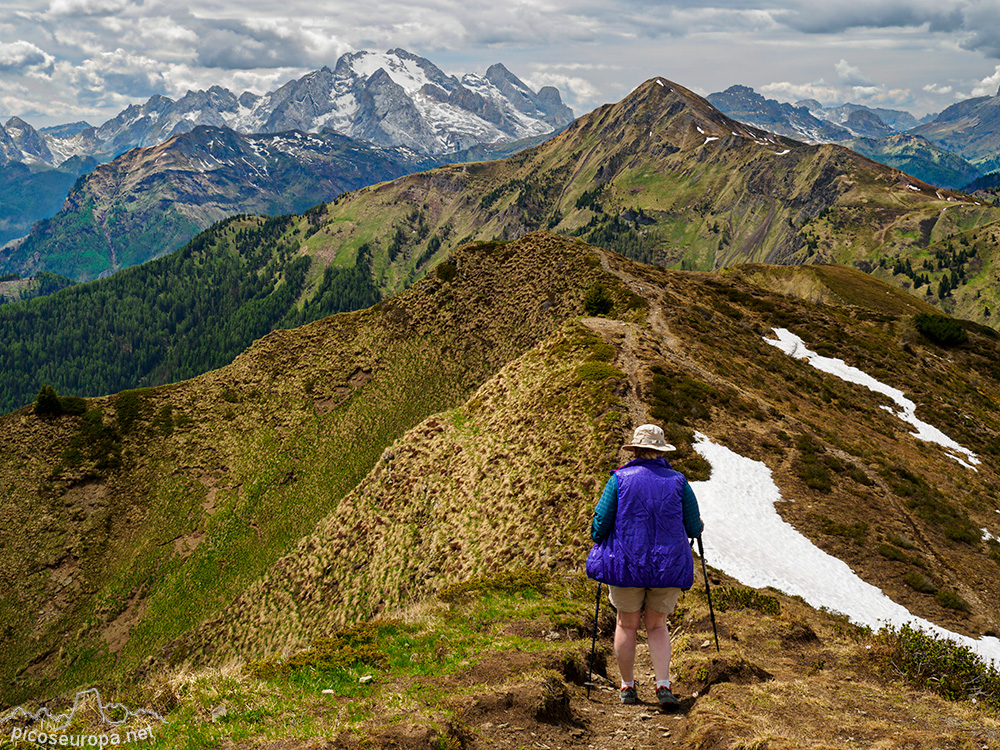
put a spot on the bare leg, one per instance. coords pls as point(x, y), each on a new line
point(625, 633)
point(658, 637)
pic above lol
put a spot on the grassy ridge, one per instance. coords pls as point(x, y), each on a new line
point(452, 500)
point(192, 491)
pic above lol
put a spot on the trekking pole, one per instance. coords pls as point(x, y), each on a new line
point(708, 592)
point(593, 643)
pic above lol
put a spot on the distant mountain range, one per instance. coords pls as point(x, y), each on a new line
point(150, 201)
point(950, 149)
point(375, 117)
point(391, 99)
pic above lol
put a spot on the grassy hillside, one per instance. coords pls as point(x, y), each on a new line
point(147, 513)
point(312, 513)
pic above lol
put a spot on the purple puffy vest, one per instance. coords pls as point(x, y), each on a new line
point(648, 547)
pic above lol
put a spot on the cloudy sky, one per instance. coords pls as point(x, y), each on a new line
point(67, 60)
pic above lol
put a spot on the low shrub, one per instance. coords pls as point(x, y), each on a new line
point(508, 581)
point(920, 582)
point(73, 405)
point(892, 553)
point(678, 399)
point(993, 550)
point(598, 301)
point(942, 330)
point(446, 271)
point(950, 669)
point(855, 532)
point(951, 600)
point(738, 597)
point(595, 370)
point(813, 465)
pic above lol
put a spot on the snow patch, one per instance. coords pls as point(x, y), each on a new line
point(913, 187)
point(793, 346)
point(747, 538)
point(782, 153)
point(711, 138)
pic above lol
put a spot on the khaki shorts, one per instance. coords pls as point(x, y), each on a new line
point(632, 600)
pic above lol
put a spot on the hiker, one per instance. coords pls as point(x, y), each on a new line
point(641, 527)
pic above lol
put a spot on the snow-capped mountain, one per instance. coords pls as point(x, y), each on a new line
point(391, 99)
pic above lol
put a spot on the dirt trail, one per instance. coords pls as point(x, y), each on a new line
point(643, 725)
point(625, 336)
point(656, 319)
point(631, 338)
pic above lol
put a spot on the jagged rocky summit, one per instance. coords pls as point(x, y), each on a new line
point(391, 99)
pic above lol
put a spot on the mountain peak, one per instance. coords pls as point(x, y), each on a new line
point(498, 75)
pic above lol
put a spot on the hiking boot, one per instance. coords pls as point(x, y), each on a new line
point(629, 696)
point(666, 698)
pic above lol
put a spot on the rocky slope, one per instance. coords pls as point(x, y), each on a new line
point(970, 128)
point(898, 120)
point(350, 471)
point(746, 105)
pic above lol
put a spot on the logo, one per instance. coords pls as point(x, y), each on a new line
point(120, 725)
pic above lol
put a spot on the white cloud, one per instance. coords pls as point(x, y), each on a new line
point(22, 56)
point(87, 7)
point(851, 86)
point(572, 88)
point(818, 90)
point(933, 88)
point(989, 85)
point(112, 76)
point(851, 75)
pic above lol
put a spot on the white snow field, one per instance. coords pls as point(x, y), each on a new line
point(793, 346)
point(747, 539)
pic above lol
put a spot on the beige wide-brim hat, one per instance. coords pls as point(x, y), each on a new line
point(649, 436)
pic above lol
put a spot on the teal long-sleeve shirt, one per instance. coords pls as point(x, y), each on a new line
point(607, 509)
